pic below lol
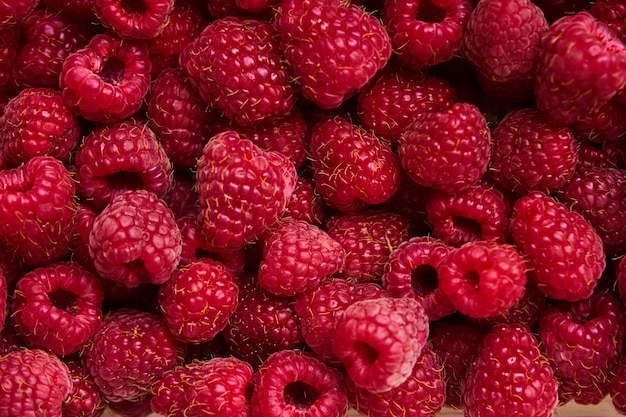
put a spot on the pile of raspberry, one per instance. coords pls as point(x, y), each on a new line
point(312, 208)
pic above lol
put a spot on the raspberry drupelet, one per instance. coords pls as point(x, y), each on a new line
point(142, 19)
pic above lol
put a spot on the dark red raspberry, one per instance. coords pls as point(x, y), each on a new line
point(182, 198)
point(256, 6)
point(333, 48)
point(617, 389)
point(422, 394)
point(108, 79)
point(563, 251)
point(120, 157)
point(236, 65)
point(291, 383)
point(76, 10)
point(198, 300)
point(510, 376)
point(411, 271)
point(136, 240)
point(129, 354)
point(612, 13)
point(37, 206)
point(410, 201)
point(243, 190)
point(305, 203)
point(9, 45)
point(83, 223)
point(134, 408)
point(345, 181)
point(604, 124)
point(447, 150)
point(425, 32)
point(208, 388)
point(601, 155)
point(85, 399)
point(34, 383)
point(37, 122)
point(134, 19)
point(185, 23)
point(13, 12)
point(379, 341)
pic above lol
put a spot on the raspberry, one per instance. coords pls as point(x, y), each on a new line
point(583, 340)
point(603, 124)
point(185, 23)
point(447, 150)
point(510, 376)
point(243, 190)
point(107, 80)
point(211, 388)
point(76, 10)
point(367, 239)
point(182, 198)
point(134, 408)
point(617, 389)
point(612, 13)
point(379, 341)
point(9, 45)
point(410, 202)
point(134, 20)
point(351, 167)
point(425, 32)
point(236, 66)
point(34, 383)
point(293, 383)
point(305, 203)
point(603, 155)
point(198, 300)
point(135, 240)
point(13, 13)
point(129, 353)
point(84, 400)
point(333, 48)
point(564, 253)
point(119, 157)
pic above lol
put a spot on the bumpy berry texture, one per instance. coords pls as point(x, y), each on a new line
point(617, 389)
point(379, 341)
point(14, 12)
point(611, 12)
point(237, 67)
point(210, 388)
point(448, 150)
point(243, 190)
point(142, 20)
point(85, 399)
point(333, 48)
point(9, 44)
point(564, 253)
point(510, 376)
point(136, 240)
point(603, 124)
point(305, 203)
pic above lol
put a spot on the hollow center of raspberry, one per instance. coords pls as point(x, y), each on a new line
point(113, 71)
point(472, 278)
point(470, 228)
point(300, 394)
point(64, 300)
point(124, 180)
point(429, 12)
point(365, 352)
point(134, 6)
point(424, 280)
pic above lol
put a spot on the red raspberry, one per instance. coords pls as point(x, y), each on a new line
point(412, 272)
point(198, 300)
point(135, 408)
point(422, 394)
point(182, 198)
point(76, 10)
point(37, 206)
point(37, 122)
point(34, 383)
point(531, 153)
point(333, 48)
point(85, 399)
point(410, 202)
point(367, 240)
point(13, 12)
point(510, 376)
point(136, 240)
point(603, 155)
point(134, 20)
point(447, 150)
point(129, 354)
point(583, 340)
point(426, 32)
point(107, 80)
point(256, 6)
point(83, 223)
point(211, 388)
point(379, 341)
point(9, 45)
point(345, 181)
point(606, 123)
point(236, 66)
point(243, 190)
point(617, 389)
point(119, 157)
point(305, 203)
point(564, 253)
point(612, 13)
point(571, 85)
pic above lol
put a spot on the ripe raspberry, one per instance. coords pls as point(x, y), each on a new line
point(617, 389)
point(135, 240)
point(256, 6)
point(425, 32)
point(34, 383)
point(209, 388)
point(243, 190)
point(379, 341)
point(185, 23)
point(572, 85)
point(14, 12)
point(397, 97)
point(351, 167)
point(510, 376)
point(134, 20)
point(198, 300)
point(602, 155)
point(531, 153)
point(107, 80)
point(305, 203)
point(120, 157)
point(583, 340)
point(564, 253)
point(236, 66)
point(333, 48)
point(135, 408)
point(37, 122)
point(84, 400)
point(606, 123)
point(37, 206)
point(182, 198)
point(410, 202)
point(612, 13)
point(9, 45)
point(76, 10)
point(129, 354)
point(422, 394)
point(79, 246)
point(447, 150)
